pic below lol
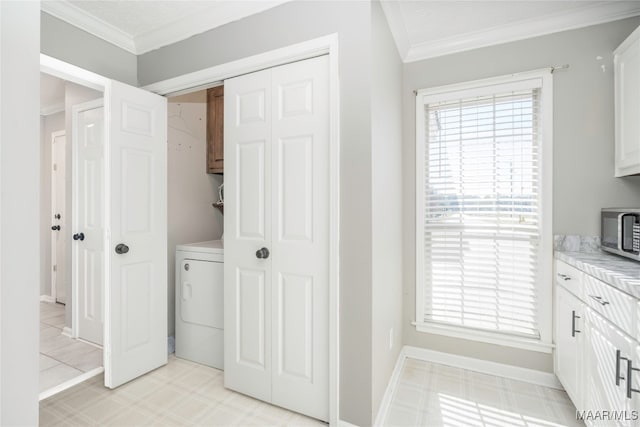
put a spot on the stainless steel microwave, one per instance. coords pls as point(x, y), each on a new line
point(620, 231)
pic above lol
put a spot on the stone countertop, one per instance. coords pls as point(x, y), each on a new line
point(619, 272)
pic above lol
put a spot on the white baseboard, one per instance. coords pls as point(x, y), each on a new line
point(388, 393)
point(342, 423)
point(532, 376)
point(66, 331)
point(47, 298)
point(68, 384)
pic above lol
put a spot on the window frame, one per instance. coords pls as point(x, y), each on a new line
point(544, 283)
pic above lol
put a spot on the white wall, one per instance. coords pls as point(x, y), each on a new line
point(191, 191)
point(49, 124)
point(74, 94)
point(386, 227)
point(19, 211)
point(583, 137)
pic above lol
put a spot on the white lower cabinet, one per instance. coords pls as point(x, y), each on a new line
point(596, 360)
point(569, 341)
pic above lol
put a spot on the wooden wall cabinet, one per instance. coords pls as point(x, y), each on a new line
point(215, 130)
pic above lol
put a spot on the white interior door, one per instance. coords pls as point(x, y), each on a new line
point(276, 308)
point(136, 247)
point(247, 292)
point(89, 220)
point(58, 215)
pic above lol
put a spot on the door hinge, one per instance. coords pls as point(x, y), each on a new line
point(55, 268)
point(55, 167)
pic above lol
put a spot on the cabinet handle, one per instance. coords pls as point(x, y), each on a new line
point(574, 331)
point(630, 370)
point(564, 276)
point(618, 359)
point(599, 299)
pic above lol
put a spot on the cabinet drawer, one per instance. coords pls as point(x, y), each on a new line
point(616, 306)
point(570, 278)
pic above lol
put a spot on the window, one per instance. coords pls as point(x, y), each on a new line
point(484, 209)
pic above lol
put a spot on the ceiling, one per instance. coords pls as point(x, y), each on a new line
point(421, 29)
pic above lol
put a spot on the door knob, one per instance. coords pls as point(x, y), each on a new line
point(55, 228)
point(79, 236)
point(121, 248)
point(262, 253)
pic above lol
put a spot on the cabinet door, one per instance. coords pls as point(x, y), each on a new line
point(215, 130)
point(627, 108)
point(569, 332)
point(607, 353)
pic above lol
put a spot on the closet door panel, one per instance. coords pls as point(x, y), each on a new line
point(247, 289)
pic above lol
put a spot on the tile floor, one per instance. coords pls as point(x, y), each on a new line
point(62, 358)
point(181, 393)
point(429, 394)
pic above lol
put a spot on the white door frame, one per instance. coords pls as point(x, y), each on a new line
point(305, 50)
point(54, 249)
point(75, 304)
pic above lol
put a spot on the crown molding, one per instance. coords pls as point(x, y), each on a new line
point(199, 23)
point(167, 34)
point(79, 18)
point(395, 20)
point(569, 20)
point(48, 110)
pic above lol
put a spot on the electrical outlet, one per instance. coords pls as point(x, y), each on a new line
point(390, 338)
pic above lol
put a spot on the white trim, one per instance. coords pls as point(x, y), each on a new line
point(543, 79)
point(54, 253)
point(75, 280)
point(396, 22)
point(216, 74)
point(342, 423)
point(47, 298)
point(532, 376)
point(68, 384)
point(488, 337)
point(72, 73)
point(572, 19)
point(78, 17)
point(304, 50)
point(67, 332)
point(390, 390)
point(48, 110)
point(218, 14)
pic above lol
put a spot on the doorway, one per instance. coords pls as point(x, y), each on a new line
point(64, 359)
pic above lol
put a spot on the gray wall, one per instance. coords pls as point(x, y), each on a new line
point(386, 178)
point(583, 136)
point(190, 190)
point(285, 25)
point(75, 46)
point(49, 124)
point(19, 211)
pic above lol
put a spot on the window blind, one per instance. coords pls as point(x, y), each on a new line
point(482, 211)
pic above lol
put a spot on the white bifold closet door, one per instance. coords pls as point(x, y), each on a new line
point(277, 236)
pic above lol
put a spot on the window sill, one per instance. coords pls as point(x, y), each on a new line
point(485, 337)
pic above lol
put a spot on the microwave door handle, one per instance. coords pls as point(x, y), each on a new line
point(620, 236)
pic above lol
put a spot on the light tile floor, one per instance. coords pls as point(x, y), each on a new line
point(429, 394)
point(62, 358)
point(181, 393)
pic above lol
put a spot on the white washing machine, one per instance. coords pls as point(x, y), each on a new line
point(200, 302)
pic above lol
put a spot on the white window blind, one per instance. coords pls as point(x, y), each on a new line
point(481, 209)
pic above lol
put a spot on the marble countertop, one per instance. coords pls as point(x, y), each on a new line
point(615, 270)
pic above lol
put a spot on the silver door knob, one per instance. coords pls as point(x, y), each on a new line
point(262, 253)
